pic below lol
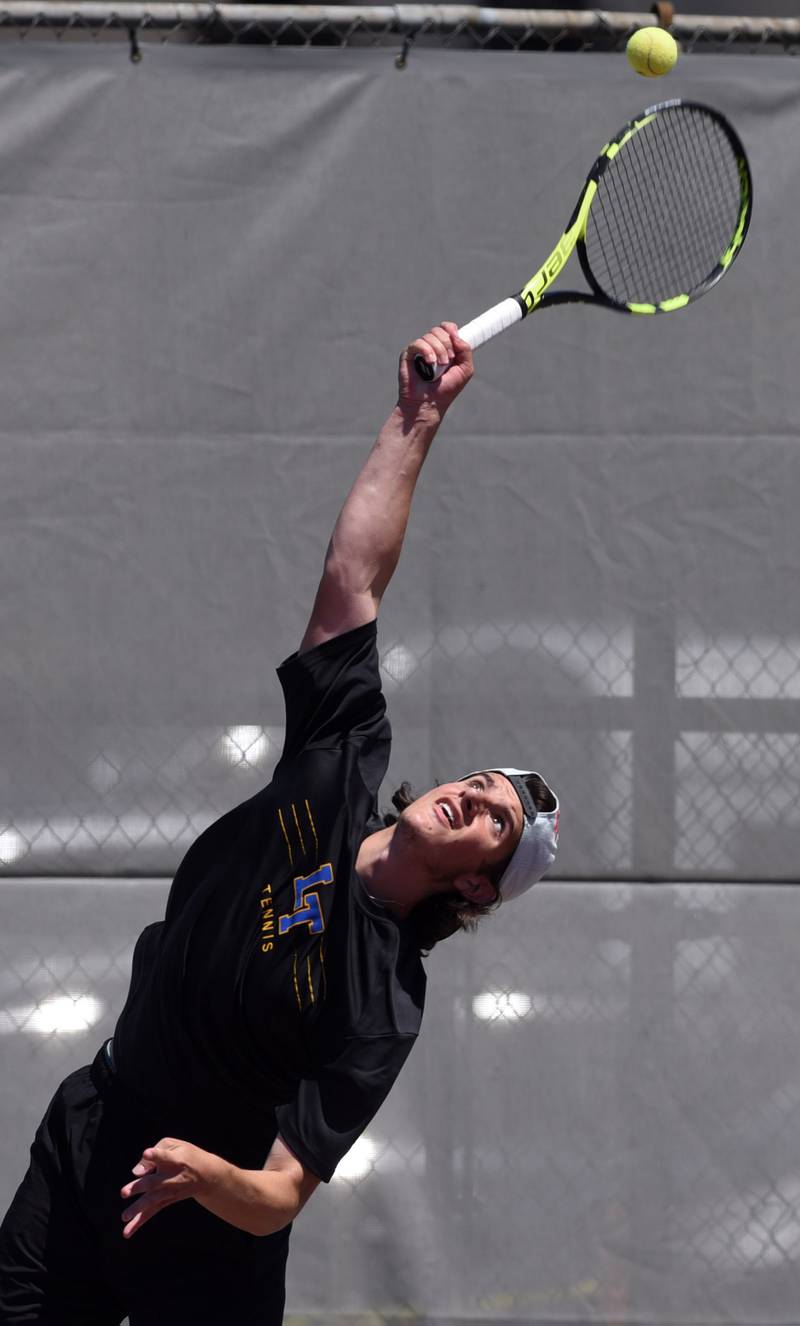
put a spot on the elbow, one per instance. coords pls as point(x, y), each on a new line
point(270, 1220)
point(263, 1228)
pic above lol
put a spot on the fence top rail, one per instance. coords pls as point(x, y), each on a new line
point(399, 19)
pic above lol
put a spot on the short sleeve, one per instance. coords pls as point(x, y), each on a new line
point(333, 693)
point(332, 1108)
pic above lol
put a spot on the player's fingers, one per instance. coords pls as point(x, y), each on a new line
point(145, 1184)
point(462, 356)
point(416, 349)
point(435, 346)
point(430, 350)
point(460, 347)
point(139, 1214)
point(164, 1152)
point(444, 344)
point(460, 351)
point(442, 349)
point(143, 1166)
point(148, 1202)
point(433, 353)
point(133, 1212)
point(130, 1228)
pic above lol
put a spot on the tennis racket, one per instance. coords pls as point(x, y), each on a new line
point(662, 215)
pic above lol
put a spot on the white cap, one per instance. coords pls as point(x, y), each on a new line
point(536, 850)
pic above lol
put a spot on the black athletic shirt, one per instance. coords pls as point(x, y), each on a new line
point(276, 996)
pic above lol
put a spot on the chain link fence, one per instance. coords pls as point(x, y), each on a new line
point(662, 763)
point(402, 26)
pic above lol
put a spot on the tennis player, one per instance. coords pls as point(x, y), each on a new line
point(271, 1010)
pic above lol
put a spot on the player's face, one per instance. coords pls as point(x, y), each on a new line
point(468, 825)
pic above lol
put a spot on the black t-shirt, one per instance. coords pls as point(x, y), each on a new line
point(276, 995)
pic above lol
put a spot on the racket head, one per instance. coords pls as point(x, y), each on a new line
point(670, 212)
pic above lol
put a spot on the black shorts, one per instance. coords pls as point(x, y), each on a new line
point(62, 1255)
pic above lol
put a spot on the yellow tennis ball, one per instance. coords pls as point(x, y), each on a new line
point(652, 52)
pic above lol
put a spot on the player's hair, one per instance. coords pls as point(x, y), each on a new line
point(443, 914)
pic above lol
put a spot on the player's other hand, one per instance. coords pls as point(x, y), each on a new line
point(167, 1173)
point(441, 345)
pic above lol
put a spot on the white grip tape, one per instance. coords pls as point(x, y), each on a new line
point(483, 328)
point(490, 323)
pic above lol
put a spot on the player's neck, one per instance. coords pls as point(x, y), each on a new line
point(384, 875)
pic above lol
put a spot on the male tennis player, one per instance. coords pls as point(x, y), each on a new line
point(271, 1010)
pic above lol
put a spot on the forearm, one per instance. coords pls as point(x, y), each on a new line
point(368, 536)
point(256, 1201)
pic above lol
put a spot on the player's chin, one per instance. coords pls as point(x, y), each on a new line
point(419, 823)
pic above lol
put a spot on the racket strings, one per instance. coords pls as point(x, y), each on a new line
point(718, 166)
point(665, 183)
point(661, 231)
point(656, 258)
point(661, 225)
point(666, 209)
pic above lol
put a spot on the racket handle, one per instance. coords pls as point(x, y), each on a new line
point(477, 332)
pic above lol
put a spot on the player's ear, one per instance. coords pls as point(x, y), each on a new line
point(475, 888)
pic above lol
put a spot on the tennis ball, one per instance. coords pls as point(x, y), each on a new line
point(652, 52)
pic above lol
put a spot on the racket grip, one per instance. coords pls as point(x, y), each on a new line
point(429, 372)
point(475, 333)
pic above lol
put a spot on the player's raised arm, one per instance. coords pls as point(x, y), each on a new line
point(368, 536)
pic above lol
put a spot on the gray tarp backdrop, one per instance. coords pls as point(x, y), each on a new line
point(209, 262)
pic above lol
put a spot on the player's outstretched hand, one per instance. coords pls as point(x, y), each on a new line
point(441, 345)
point(169, 1172)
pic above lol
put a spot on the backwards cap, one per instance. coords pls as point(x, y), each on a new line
point(536, 850)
